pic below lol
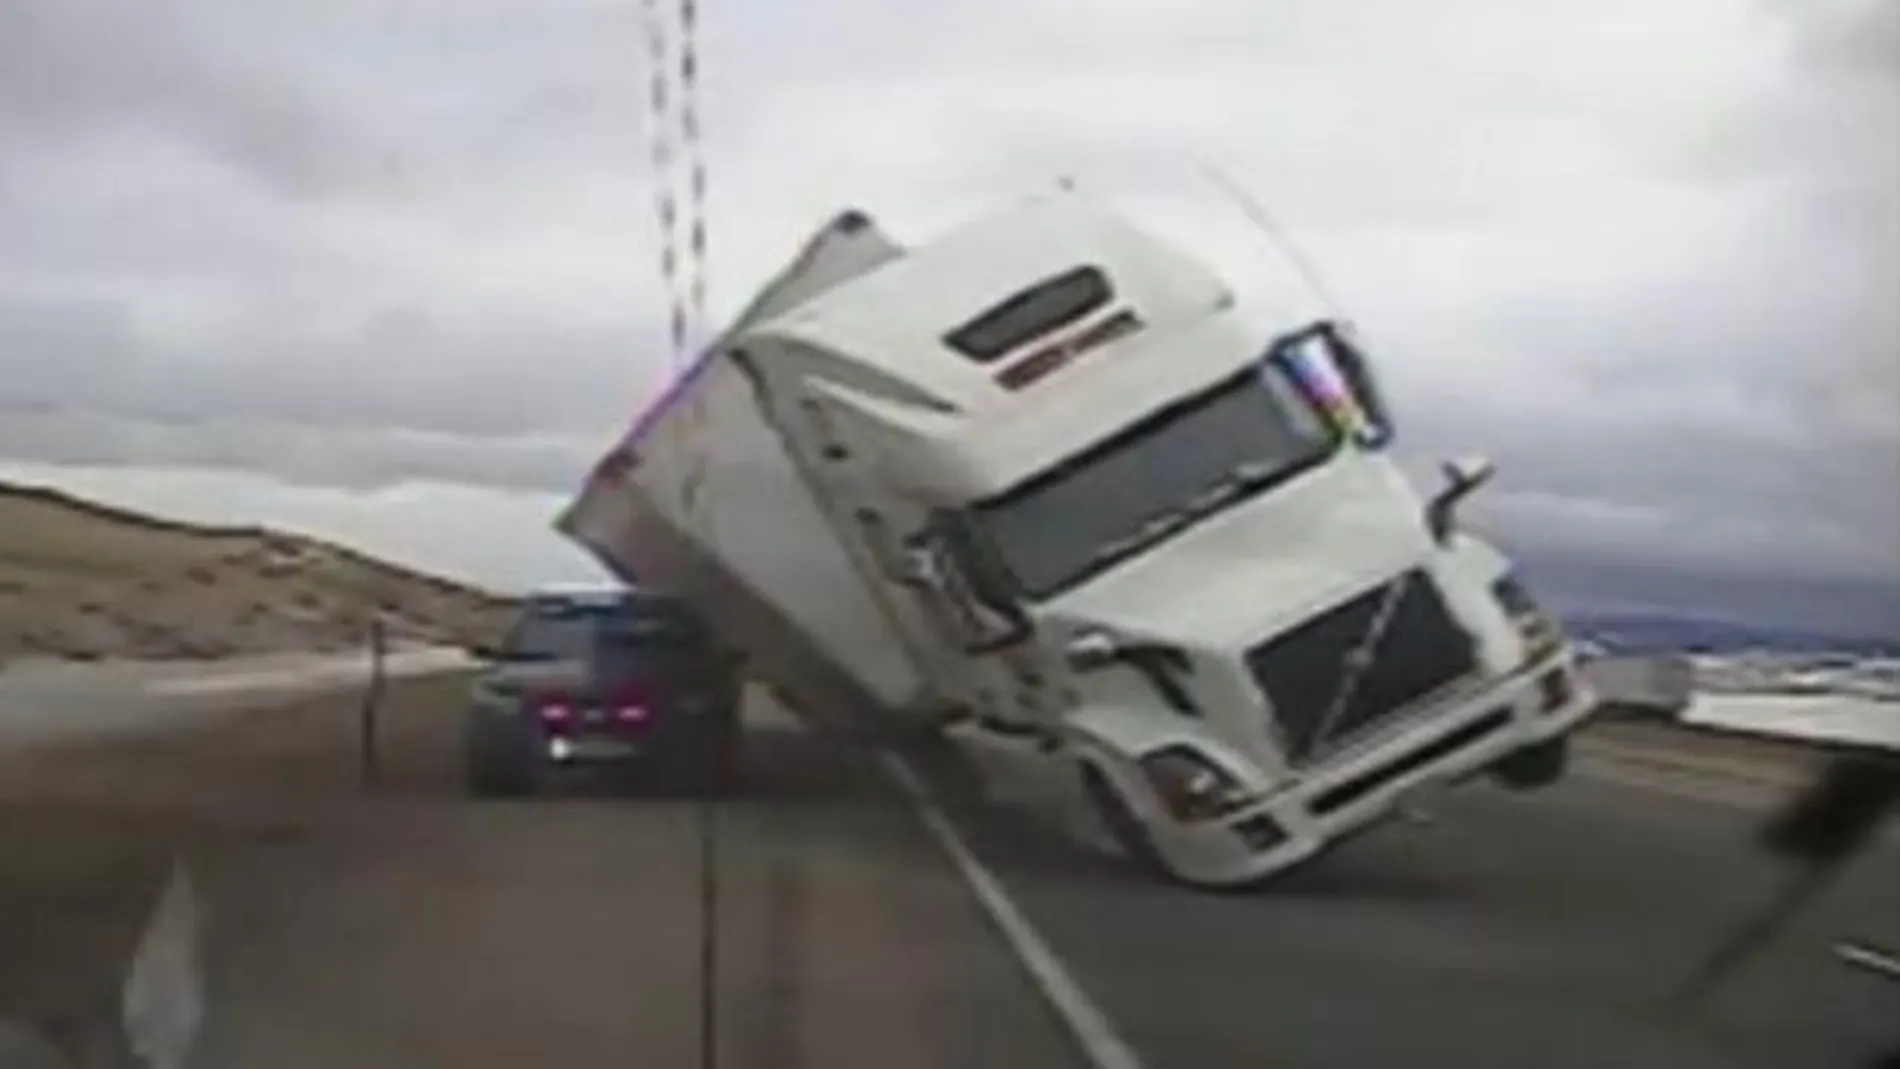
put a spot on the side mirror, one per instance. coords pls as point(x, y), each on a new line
point(1462, 477)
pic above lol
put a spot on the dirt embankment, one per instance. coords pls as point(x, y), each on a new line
point(83, 580)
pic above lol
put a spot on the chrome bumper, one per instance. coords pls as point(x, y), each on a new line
point(1534, 704)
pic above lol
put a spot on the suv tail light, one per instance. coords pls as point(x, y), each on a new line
point(630, 705)
point(556, 712)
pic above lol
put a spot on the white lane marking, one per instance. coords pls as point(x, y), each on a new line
point(162, 1003)
point(1101, 1044)
point(1876, 961)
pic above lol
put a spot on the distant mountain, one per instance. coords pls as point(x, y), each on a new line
point(1654, 605)
point(1648, 632)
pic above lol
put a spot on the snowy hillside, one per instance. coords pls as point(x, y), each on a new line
point(1815, 697)
point(1806, 697)
point(1761, 672)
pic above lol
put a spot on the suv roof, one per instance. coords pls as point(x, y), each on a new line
point(563, 618)
point(581, 597)
point(596, 600)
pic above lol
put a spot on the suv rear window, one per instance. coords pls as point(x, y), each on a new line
point(580, 628)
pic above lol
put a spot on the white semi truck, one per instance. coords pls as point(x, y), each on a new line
point(1046, 485)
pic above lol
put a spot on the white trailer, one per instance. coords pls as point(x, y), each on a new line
point(1047, 484)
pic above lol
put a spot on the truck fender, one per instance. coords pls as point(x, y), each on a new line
point(1112, 799)
point(1105, 741)
point(1114, 737)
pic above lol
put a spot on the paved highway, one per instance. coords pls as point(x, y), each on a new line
point(423, 930)
point(1544, 930)
point(409, 926)
point(415, 928)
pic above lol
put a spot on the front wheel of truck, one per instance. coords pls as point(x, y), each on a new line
point(1123, 825)
point(1537, 765)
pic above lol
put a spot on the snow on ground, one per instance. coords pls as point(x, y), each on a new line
point(1804, 698)
point(1811, 717)
point(1820, 698)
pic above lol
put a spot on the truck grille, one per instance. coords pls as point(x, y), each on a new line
point(1422, 650)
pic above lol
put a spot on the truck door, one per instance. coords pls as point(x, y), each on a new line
point(1014, 732)
point(872, 521)
point(976, 644)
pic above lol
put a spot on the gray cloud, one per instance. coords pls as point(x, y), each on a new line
point(348, 458)
point(74, 75)
point(392, 371)
point(1643, 255)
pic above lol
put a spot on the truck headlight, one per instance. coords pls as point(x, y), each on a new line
point(1192, 785)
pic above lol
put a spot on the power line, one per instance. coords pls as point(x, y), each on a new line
point(1258, 215)
point(686, 286)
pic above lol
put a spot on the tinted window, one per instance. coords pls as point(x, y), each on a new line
point(587, 627)
point(640, 631)
point(540, 636)
point(1147, 483)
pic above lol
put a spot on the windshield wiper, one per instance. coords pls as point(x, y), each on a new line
point(1154, 529)
point(1240, 481)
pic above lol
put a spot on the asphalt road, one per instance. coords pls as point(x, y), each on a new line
point(408, 926)
point(1535, 930)
point(412, 927)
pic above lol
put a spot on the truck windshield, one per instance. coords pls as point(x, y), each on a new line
point(1186, 462)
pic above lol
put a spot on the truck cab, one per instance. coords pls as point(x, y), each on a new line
point(1155, 549)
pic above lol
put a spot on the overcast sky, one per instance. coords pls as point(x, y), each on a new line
point(355, 265)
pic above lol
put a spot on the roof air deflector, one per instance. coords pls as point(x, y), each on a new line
point(1047, 306)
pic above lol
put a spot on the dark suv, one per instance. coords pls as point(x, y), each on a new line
point(626, 677)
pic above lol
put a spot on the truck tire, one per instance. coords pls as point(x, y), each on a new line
point(1122, 824)
point(1537, 765)
point(500, 761)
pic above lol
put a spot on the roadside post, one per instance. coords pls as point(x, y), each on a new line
point(369, 758)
